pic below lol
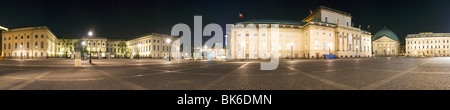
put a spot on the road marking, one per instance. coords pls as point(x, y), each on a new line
point(20, 86)
point(326, 81)
point(126, 83)
point(389, 79)
point(196, 67)
point(215, 82)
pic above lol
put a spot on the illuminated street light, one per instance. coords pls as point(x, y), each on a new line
point(82, 50)
point(90, 34)
point(170, 47)
point(292, 52)
point(21, 54)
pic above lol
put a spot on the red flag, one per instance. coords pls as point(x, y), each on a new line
point(310, 12)
point(368, 27)
point(241, 16)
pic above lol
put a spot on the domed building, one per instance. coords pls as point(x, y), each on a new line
point(385, 43)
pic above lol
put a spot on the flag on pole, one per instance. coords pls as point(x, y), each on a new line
point(241, 16)
point(310, 12)
point(368, 27)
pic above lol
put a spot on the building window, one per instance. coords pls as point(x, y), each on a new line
point(4, 47)
point(324, 46)
point(15, 37)
point(15, 46)
point(42, 54)
point(42, 44)
point(28, 45)
point(35, 36)
point(35, 45)
point(42, 36)
point(9, 46)
point(326, 19)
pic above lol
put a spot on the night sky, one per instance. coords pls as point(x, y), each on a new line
point(131, 18)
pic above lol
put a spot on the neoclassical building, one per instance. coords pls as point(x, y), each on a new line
point(428, 44)
point(31, 42)
point(151, 45)
point(39, 42)
point(325, 31)
point(385, 43)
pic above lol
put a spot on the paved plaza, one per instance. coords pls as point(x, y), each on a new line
point(396, 73)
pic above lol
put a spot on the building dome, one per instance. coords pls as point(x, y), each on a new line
point(385, 32)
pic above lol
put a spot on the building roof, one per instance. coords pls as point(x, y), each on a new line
point(259, 21)
point(310, 16)
point(385, 32)
point(428, 34)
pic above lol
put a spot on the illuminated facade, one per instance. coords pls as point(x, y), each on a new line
point(325, 31)
point(151, 45)
point(31, 42)
point(385, 43)
point(428, 44)
point(39, 42)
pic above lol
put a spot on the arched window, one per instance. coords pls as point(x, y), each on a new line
point(42, 44)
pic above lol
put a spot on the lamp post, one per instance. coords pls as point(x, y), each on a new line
point(205, 51)
point(357, 50)
point(139, 46)
point(170, 47)
point(82, 49)
point(21, 53)
point(292, 52)
point(90, 33)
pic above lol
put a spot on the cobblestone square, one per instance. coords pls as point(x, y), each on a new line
point(390, 73)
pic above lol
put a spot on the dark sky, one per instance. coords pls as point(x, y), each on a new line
point(130, 18)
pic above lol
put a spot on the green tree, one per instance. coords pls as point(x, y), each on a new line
point(66, 44)
point(123, 48)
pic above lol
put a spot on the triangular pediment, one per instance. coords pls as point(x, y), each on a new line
point(385, 39)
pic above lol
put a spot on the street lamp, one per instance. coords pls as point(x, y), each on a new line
point(90, 34)
point(82, 50)
point(292, 44)
point(329, 49)
point(21, 52)
point(170, 47)
point(357, 50)
point(139, 46)
point(205, 51)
